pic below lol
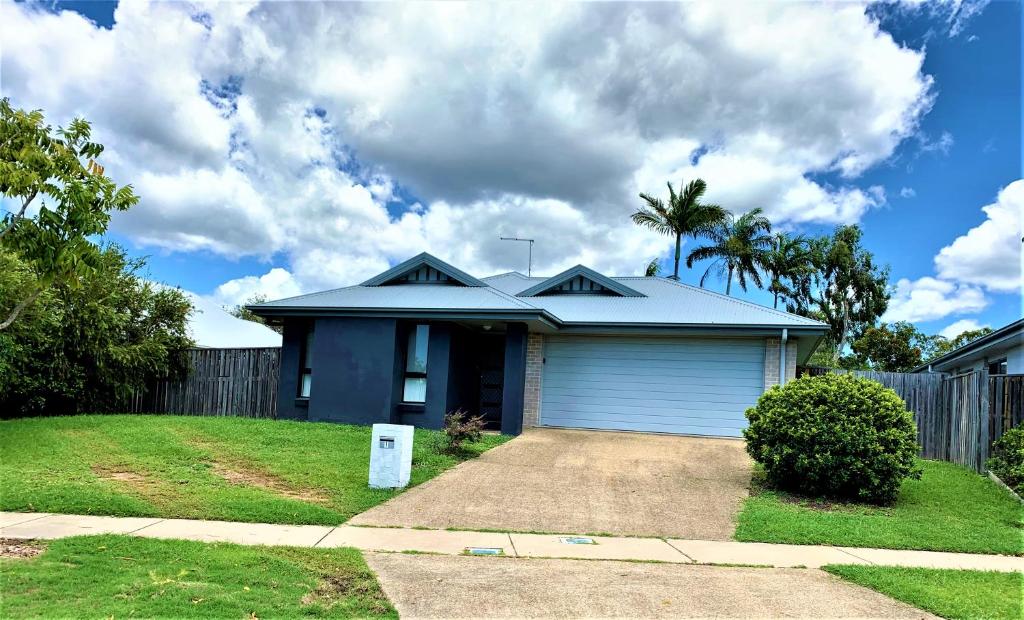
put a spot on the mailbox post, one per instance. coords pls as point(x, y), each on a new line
point(390, 456)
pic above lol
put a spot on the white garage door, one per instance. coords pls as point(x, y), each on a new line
point(666, 385)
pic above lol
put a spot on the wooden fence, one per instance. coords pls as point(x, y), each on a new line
point(223, 382)
point(957, 417)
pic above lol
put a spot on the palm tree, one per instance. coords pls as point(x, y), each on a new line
point(738, 247)
point(685, 215)
point(653, 268)
point(787, 262)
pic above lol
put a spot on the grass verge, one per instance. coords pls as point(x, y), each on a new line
point(949, 509)
point(957, 594)
point(233, 469)
point(121, 576)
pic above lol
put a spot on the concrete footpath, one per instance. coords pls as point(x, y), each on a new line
point(448, 542)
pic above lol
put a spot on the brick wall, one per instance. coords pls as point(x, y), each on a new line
point(534, 371)
point(771, 361)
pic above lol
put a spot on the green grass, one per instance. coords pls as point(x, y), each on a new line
point(949, 509)
point(121, 576)
point(232, 469)
point(947, 593)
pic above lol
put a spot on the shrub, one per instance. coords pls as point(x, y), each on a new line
point(836, 436)
point(1007, 460)
point(460, 427)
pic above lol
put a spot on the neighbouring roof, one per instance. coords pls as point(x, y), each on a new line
point(1009, 336)
point(210, 326)
point(578, 296)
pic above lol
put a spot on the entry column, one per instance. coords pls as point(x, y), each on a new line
point(513, 392)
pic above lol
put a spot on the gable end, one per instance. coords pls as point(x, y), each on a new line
point(580, 280)
point(424, 269)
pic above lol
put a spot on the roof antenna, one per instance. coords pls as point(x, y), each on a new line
point(529, 267)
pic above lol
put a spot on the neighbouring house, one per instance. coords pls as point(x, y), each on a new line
point(579, 349)
point(1001, 353)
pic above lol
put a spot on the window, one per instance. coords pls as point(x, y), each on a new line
point(415, 388)
point(997, 367)
point(306, 363)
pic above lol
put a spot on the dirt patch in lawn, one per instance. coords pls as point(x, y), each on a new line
point(335, 588)
point(237, 473)
point(20, 549)
point(152, 489)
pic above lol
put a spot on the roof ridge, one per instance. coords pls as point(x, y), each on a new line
point(503, 295)
point(507, 273)
point(735, 299)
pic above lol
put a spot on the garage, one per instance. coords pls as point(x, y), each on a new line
point(694, 386)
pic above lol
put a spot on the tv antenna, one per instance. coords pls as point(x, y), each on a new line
point(529, 265)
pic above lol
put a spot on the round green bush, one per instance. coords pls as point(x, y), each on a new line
point(836, 436)
point(1007, 459)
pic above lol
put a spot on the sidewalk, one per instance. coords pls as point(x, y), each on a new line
point(50, 526)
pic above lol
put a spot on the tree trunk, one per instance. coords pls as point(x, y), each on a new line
point(675, 271)
point(776, 304)
point(728, 282)
point(24, 303)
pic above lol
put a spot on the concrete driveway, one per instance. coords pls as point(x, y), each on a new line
point(585, 482)
point(426, 586)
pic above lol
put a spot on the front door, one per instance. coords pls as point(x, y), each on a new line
point(491, 362)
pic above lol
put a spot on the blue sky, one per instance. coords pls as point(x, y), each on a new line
point(384, 158)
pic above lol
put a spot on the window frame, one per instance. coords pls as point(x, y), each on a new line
point(305, 364)
point(1002, 362)
point(411, 344)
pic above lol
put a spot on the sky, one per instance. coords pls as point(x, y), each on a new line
point(290, 147)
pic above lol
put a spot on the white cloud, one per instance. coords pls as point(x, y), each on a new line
point(275, 284)
point(928, 299)
point(989, 254)
point(956, 328)
point(285, 129)
point(907, 192)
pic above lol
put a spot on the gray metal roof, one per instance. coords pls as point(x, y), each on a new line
point(663, 302)
point(1008, 336)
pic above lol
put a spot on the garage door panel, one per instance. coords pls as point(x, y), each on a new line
point(677, 385)
point(685, 381)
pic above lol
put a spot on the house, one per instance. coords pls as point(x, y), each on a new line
point(579, 349)
point(1001, 353)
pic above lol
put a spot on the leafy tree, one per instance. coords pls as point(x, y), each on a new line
point(241, 312)
point(738, 248)
point(59, 168)
point(684, 216)
point(86, 346)
point(890, 348)
point(846, 289)
point(653, 268)
point(945, 345)
point(786, 262)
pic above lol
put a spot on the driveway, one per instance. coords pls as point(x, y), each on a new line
point(585, 482)
point(427, 586)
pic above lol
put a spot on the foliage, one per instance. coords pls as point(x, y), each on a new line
point(890, 348)
point(956, 594)
point(950, 508)
point(460, 428)
point(653, 268)
point(835, 436)
point(193, 467)
point(242, 312)
point(846, 289)
point(738, 247)
point(76, 199)
point(125, 576)
point(940, 346)
point(685, 215)
point(786, 263)
point(86, 344)
point(1007, 459)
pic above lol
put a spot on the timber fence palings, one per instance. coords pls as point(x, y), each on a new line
point(240, 382)
point(958, 417)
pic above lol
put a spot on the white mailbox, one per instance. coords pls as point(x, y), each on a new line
point(390, 456)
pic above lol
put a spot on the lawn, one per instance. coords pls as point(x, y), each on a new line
point(949, 509)
point(121, 576)
point(232, 469)
point(947, 593)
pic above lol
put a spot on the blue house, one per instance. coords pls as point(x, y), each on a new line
point(578, 350)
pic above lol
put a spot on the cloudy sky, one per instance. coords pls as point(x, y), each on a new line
point(293, 146)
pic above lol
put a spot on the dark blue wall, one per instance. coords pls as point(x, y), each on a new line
point(513, 392)
point(289, 406)
point(353, 370)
